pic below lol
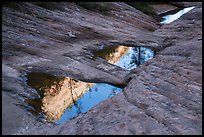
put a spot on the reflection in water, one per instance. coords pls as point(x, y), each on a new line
point(96, 94)
point(134, 57)
point(56, 94)
point(125, 57)
point(122, 56)
point(171, 18)
point(62, 98)
point(111, 53)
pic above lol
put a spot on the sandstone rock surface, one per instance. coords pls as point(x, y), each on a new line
point(161, 96)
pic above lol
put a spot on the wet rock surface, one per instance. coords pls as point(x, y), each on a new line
point(161, 96)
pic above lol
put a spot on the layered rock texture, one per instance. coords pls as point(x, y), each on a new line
point(161, 96)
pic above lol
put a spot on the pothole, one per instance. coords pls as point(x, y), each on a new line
point(125, 57)
point(62, 98)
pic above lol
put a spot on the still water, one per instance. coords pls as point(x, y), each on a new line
point(134, 57)
point(96, 94)
point(122, 56)
point(125, 57)
point(170, 18)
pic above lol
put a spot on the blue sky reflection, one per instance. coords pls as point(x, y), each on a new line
point(173, 17)
point(96, 94)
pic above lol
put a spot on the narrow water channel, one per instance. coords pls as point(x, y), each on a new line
point(170, 18)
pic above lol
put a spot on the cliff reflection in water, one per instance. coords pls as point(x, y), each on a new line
point(56, 94)
point(96, 94)
point(62, 98)
point(125, 57)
